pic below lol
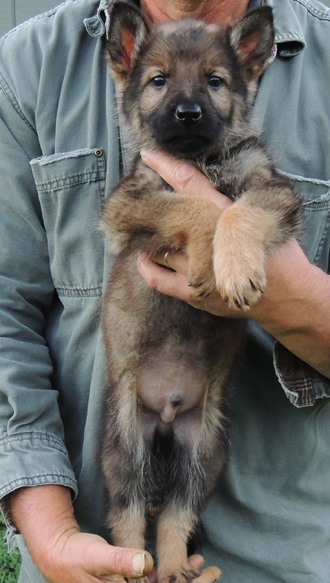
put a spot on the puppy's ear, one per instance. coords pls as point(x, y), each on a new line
point(127, 32)
point(252, 38)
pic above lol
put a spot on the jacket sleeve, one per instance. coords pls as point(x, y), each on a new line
point(32, 450)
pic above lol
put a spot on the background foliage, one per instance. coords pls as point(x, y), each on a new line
point(9, 563)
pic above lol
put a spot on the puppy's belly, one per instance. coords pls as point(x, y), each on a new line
point(171, 387)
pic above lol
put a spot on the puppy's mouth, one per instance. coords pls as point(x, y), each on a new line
point(186, 140)
point(186, 145)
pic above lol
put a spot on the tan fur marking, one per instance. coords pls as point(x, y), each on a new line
point(174, 528)
point(128, 528)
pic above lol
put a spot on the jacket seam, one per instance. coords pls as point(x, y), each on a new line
point(31, 479)
point(315, 12)
point(67, 182)
point(37, 435)
point(9, 94)
point(79, 292)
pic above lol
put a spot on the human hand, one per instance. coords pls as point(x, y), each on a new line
point(295, 302)
point(78, 557)
point(45, 518)
point(87, 558)
point(174, 282)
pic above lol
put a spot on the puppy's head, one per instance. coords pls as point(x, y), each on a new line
point(185, 85)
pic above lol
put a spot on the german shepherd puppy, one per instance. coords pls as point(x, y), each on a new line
point(186, 88)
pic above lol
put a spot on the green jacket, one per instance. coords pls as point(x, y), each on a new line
point(269, 519)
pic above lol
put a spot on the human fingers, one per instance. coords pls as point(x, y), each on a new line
point(174, 282)
point(168, 281)
point(184, 178)
point(209, 575)
point(196, 561)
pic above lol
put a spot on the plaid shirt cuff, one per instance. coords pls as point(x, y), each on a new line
point(302, 384)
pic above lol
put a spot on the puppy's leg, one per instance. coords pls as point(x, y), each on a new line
point(240, 253)
point(175, 525)
point(124, 479)
point(123, 461)
point(128, 526)
point(128, 529)
point(126, 516)
point(260, 220)
point(188, 225)
point(159, 221)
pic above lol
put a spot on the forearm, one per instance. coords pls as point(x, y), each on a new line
point(44, 515)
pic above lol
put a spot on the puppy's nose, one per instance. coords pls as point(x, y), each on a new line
point(188, 113)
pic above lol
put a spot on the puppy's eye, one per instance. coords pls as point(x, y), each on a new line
point(215, 82)
point(158, 81)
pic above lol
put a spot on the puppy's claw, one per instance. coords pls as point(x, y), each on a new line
point(200, 293)
point(246, 302)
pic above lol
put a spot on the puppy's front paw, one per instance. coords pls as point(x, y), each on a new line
point(240, 283)
point(202, 284)
point(239, 255)
point(201, 275)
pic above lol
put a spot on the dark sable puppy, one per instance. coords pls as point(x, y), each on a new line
point(186, 88)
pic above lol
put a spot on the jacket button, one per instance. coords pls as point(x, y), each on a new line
point(98, 152)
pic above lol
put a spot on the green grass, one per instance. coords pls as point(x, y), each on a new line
point(9, 563)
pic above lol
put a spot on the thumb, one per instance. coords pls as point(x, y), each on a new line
point(105, 559)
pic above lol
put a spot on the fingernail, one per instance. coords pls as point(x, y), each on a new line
point(138, 563)
point(144, 153)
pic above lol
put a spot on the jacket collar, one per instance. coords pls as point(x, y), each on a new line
point(98, 24)
point(289, 36)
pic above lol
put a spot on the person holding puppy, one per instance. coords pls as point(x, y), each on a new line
point(269, 518)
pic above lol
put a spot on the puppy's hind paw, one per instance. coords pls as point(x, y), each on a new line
point(184, 574)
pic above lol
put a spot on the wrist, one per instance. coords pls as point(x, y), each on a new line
point(295, 306)
point(290, 276)
point(44, 516)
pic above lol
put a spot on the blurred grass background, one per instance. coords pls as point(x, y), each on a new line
point(9, 563)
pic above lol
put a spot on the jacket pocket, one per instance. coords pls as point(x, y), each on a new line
point(315, 239)
point(71, 190)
